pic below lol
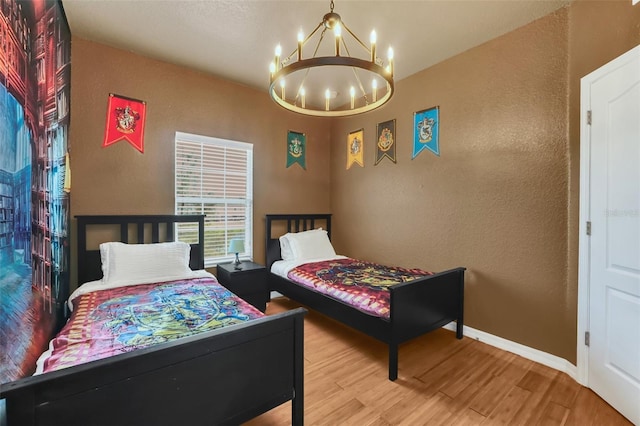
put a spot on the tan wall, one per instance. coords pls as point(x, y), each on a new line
point(120, 180)
point(495, 199)
point(502, 199)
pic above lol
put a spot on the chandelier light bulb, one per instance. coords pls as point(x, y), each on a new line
point(300, 41)
point(302, 93)
point(390, 56)
point(338, 32)
point(352, 92)
point(374, 91)
point(277, 60)
point(282, 84)
point(327, 96)
point(372, 39)
point(272, 68)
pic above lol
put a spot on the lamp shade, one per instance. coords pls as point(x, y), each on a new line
point(236, 245)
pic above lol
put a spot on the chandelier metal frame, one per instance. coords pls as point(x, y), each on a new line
point(281, 68)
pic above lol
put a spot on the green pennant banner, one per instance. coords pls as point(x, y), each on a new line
point(296, 149)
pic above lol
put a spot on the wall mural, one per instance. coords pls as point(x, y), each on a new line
point(35, 72)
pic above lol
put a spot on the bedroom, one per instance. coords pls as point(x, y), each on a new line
point(509, 183)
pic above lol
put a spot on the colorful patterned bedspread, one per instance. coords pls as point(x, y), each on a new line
point(118, 320)
point(363, 285)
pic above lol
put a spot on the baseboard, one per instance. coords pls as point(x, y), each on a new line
point(536, 355)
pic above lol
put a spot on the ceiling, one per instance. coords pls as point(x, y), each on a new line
point(235, 39)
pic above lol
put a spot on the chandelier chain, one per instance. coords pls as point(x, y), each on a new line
point(331, 5)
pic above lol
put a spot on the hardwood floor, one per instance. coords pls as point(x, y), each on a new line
point(442, 381)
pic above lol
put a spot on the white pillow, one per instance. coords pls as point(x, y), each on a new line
point(310, 245)
point(285, 248)
point(286, 251)
point(130, 262)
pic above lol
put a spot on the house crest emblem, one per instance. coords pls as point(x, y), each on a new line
point(425, 129)
point(126, 119)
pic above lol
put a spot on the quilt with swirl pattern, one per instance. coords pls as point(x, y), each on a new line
point(363, 285)
point(118, 320)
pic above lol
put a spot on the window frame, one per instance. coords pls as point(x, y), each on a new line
point(211, 261)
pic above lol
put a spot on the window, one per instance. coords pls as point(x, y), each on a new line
point(214, 177)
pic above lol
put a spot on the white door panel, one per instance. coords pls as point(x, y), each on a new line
point(622, 349)
point(614, 255)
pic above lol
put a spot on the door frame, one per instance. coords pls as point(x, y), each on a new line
point(584, 243)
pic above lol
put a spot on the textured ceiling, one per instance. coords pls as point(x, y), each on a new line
point(235, 39)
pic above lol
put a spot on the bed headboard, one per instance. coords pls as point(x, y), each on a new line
point(138, 229)
point(279, 224)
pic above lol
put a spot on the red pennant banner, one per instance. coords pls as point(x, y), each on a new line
point(125, 121)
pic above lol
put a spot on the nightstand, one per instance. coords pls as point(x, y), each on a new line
point(249, 283)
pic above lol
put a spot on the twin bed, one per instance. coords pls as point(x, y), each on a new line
point(420, 302)
point(214, 360)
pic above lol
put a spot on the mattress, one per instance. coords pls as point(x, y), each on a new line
point(360, 284)
point(111, 321)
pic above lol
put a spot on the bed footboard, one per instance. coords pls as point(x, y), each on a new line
point(226, 376)
point(423, 305)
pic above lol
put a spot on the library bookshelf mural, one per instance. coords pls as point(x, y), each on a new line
point(35, 75)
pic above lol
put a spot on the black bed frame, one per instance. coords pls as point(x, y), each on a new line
point(416, 307)
point(224, 376)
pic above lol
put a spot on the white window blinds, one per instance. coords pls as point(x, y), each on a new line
point(214, 177)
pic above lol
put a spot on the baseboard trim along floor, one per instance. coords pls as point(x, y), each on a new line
point(527, 352)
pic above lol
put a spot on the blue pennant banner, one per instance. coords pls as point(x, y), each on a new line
point(426, 129)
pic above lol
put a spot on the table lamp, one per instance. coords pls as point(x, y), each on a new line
point(236, 245)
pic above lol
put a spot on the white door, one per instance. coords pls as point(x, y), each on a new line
point(612, 94)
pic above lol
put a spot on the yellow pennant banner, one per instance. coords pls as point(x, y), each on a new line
point(355, 148)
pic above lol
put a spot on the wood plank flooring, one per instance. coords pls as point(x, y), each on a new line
point(442, 381)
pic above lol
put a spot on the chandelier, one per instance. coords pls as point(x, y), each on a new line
point(331, 82)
